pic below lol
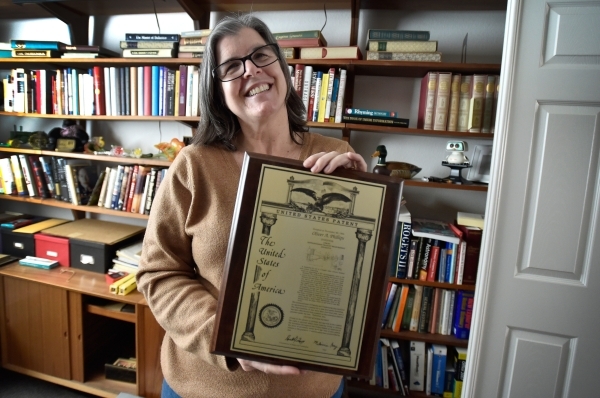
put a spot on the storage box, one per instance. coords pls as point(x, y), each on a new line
point(93, 243)
point(52, 248)
point(119, 372)
point(20, 242)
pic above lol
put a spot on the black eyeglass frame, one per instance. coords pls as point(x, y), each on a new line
point(244, 59)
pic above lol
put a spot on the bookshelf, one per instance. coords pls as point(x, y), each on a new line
point(199, 11)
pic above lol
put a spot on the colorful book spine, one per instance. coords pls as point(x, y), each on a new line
point(155, 89)
point(341, 96)
point(476, 101)
point(379, 121)
point(35, 45)
point(315, 116)
point(323, 97)
point(461, 325)
point(403, 250)
point(307, 78)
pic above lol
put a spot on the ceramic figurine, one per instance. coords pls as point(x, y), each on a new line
point(394, 169)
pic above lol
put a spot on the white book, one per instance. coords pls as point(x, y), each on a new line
point(341, 95)
point(19, 90)
point(41, 74)
point(429, 370)
point(107, 92)
point(71, 185)
point(114, 92)
point(28, 176)
point(102, 196)
point(417, 366)
point(7, 176)
point(8, 95)
point(451, 299)
point(188, 102)
point(306, 87)
point(144, 194)
point(460, 261)
point(110, 187)
point(317, 97)
point(195, 93)
point(444, 308)
point(80, 94)
point(89, 94)
point(140, 90)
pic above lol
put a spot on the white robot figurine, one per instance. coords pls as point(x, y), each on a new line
point(457, 156)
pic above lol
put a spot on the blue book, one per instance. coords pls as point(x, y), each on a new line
point(392, 34)
point(463, 310)
point(334, 97)
point(389, 302)
point(450, 262)
point(161, 89)
point(438, 369)
point(5, 54)
point(75, 86)
point(36, 45)
point(155, 89)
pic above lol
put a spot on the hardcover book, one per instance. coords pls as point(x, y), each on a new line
point(404, 56)
point(464, 104)
point(454, 102)
point(35, 53)
point(387, 34)
point(403, 46)
point(476, 100)
point(148, 44)
point(149, 53)
point(427, 101)
point(345, 52)
point(308, 38)
point(151, 36)
point(417, 366)
point(379, 121)
point(442, 101)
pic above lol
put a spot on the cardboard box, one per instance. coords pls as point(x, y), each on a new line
point(20, 242)
point(93, 243)
point(52, 248)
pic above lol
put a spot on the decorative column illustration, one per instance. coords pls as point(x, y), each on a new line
point(363, 236)
point(267, 220)
point(252, 310)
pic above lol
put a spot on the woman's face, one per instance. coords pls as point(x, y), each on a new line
point(260, 92)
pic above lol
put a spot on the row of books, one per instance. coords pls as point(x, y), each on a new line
point(322, 92)
point(436, 251)
point(455, 102)
point(402, 45)
point(425, 309)
point(128, 258)
point(374, 117)
point(113, 91)
point(129, 188)
point(436, 369)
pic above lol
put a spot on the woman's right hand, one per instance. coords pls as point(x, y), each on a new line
point(268, 368)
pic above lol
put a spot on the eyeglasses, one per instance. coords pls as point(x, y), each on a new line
point(235, 68)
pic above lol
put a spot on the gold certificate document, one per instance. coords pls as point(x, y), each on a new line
point(308, 268)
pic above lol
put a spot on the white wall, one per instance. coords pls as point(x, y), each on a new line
point(485, 37)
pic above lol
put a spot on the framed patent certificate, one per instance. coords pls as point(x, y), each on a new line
point(307, 265)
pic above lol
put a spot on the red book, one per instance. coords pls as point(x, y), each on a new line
point(427, 101)
point(99, 100)
point(132, 187)
point(147, 91)
point(434, 259)
point(182, 89)
point(54, 103)
point(471, 235)
point(298, 78)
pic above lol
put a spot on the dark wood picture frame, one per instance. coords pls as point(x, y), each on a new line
point(240, 244)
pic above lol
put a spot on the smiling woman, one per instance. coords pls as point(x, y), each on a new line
point(248, 104)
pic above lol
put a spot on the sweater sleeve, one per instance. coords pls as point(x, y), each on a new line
point(182, 301)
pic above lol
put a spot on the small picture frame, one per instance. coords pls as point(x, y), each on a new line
point(481, 163)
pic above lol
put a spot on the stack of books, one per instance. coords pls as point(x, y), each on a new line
point(128, 258)
point(5, 50)
point(55, 49)
point(401, 45)
point(150, 45)
point(192, 43)
point(456, 102)
point(375, 117)
point(290, 42)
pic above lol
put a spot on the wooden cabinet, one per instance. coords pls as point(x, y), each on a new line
point(62, 326)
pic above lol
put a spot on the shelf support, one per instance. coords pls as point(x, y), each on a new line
point(77, 22)
point(354, 21)
point(199, 14)
point(78, 214)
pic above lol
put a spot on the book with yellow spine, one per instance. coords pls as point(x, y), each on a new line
point(114, 287)
point(323, 97)
point(128, 286)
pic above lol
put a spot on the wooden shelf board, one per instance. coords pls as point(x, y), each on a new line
point(441, 185)
point(452, 286)
point(65, 205)
point(426, 337)
point(421, 132)
point(102, 311)
point(98, 158)
point(99, 381)
point(74, 279)
point(62, 62)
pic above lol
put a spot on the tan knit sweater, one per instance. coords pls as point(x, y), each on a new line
point(182, 267)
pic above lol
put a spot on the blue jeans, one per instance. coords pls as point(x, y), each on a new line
point(167, 391)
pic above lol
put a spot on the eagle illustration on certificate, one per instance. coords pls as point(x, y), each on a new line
point(309, 267)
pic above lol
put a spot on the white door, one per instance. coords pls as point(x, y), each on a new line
point(536, 326)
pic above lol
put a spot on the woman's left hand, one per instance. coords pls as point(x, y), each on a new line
point(329, 161)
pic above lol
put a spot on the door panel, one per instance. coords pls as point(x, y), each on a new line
point(535, 319)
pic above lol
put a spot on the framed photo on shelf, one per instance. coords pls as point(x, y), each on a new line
point(307, 266)
point(481, 163)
